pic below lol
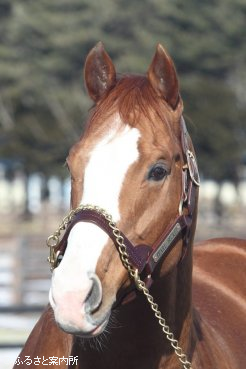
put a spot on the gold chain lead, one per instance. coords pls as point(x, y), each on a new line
point(53, 241)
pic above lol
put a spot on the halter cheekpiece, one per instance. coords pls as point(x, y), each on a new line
point(143, 257)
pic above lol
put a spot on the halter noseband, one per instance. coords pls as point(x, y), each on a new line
point(143, 257)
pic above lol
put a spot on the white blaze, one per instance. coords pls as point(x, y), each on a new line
point(107, 167)
point(103, 178)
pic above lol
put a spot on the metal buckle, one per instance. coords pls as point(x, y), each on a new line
point(184, 195)
point(193, 168)
point(52, 243)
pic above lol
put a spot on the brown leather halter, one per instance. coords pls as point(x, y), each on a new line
point(145, 258)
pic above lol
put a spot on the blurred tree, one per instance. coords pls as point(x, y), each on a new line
point(43, 47)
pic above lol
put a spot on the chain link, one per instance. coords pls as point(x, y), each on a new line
point(53, 241)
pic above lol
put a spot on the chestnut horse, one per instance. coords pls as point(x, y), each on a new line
point(136, 161)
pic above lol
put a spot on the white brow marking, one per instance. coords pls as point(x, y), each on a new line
point(107, 167)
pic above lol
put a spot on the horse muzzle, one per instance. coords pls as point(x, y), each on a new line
point(78, 311)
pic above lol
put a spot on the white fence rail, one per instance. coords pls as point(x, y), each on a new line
point(24, 272)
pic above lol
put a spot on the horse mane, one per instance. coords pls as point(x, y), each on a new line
point(132, 96)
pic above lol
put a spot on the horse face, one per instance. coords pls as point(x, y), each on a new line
point(129, 164)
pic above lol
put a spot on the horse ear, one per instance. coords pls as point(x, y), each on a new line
point(99, 72)
point(163, 77)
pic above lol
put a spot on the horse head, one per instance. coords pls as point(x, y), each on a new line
point(131, 162)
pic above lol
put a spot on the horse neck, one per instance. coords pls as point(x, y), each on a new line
point(173, 293)
point(139, 341)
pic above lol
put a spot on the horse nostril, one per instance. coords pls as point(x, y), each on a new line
point(94, 297)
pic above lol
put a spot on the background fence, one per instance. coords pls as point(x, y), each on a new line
point(29, 216)
point(24, 285)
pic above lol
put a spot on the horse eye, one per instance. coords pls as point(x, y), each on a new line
point(157, 173)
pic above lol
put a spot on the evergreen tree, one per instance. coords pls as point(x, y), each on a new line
point(43, 48)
